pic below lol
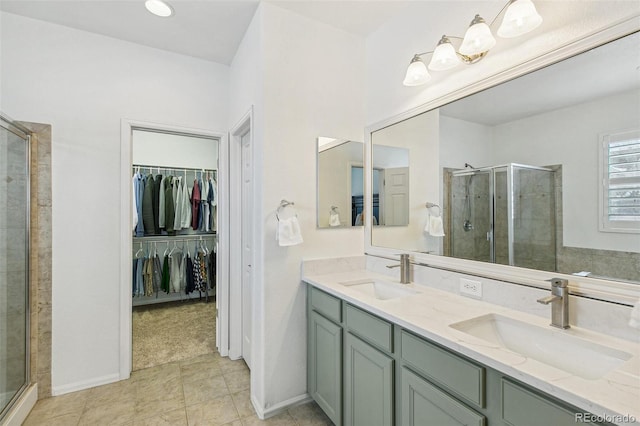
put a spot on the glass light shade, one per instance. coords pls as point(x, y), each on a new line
point(159, 8)
point(478, 38)
point(520, 18)
point(444, 57)
point(417, 73)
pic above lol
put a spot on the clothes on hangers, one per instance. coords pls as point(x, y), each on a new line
point(156, 204)
point(138, 193)
point(195, 204)
point(147, 205)
point(164, 284)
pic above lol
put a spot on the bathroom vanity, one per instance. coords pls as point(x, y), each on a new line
point(380, 352)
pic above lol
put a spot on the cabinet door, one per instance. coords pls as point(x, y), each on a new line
point(325, 365)
point(424, 404)
point(368, 385)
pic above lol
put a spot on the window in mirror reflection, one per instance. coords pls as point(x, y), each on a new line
point(340, 183)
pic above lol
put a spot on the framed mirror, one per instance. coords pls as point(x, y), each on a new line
point(540, 171)
point(340, 183)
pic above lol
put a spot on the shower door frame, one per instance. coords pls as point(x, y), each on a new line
point(23, 133)
point(492, 202)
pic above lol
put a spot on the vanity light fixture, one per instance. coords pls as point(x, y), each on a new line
point(159, 8)
point(520, 18)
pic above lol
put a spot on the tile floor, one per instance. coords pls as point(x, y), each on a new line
point(205, 390)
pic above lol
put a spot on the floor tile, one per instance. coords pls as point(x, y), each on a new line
point(214, 412)
point(283, 419)
point(63, 420)
point(200, 369)
point(72, 403)
point(242, 401)
point(119, 413)
point(227, 365)
point(171, 418)
point(237, 380)
point(112, 394)
point(202, 390)
point(310, 414)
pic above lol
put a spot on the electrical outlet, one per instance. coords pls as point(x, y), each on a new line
point(471, 288)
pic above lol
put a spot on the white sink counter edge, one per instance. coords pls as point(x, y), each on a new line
point(430, 313)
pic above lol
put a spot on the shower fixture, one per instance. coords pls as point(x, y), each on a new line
point(467, 225)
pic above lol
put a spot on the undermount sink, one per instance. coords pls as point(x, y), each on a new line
point(572, 354)
point(382, 290)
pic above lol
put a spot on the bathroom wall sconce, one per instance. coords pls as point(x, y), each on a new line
point(520, 18)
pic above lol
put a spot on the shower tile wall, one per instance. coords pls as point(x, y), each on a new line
point(13, 184)
point(471, 244)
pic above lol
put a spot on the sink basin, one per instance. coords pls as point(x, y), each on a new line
point(572, 354)
point(382, 290)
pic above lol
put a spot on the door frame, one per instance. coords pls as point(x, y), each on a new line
point(232, 318)
point(126, 162)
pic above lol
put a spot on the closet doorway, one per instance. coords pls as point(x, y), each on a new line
point(172, 246)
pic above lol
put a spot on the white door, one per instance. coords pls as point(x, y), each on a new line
point(247, 247)
point(396, 196)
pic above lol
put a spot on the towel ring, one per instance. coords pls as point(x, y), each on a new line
point(283, 204)
point(431, 205)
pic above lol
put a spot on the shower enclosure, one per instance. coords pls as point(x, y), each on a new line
point(14, 263)
point(504, 214)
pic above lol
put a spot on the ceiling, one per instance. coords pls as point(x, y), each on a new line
point(206, 29)
point(604, 71)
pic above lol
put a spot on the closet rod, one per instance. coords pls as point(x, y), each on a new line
point(146, 166)
point(176, 238)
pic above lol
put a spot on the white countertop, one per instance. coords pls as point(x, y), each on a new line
point(430, 313)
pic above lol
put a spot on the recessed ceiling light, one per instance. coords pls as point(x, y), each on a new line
point(159, 8)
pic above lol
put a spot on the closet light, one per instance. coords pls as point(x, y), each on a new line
point(520, 17)
point(159, 8)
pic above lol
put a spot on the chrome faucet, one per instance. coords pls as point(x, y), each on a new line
point(405, 271)
point(559, 301)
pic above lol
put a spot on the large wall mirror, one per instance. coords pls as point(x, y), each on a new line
point(540, 172)
point(340, 183)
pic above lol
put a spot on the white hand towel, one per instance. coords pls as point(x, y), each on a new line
point(334, 219)
point(288, 233)
point(635, 316)
point(434, 226)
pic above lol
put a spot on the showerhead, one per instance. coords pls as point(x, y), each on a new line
point(468, 165)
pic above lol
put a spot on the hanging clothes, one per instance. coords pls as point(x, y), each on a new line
point(195, 205)
point(185, 207)
point(164, 285)
point(147, 206)
point(157, 274)
point(212, 269)
point(139, 283)
point(211, 199)
point(177, 193)
point(206, 213)
point(138, 188)
point(156, 204)
point(177, 272)
point(189, 285)
point(169, 212)
point(148, 276)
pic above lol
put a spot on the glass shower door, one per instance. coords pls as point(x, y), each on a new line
point(471, 215)
point(14, 276)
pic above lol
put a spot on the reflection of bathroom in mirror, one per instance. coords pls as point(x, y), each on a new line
point(539, 172)
point(390, 184)
point(340, 177)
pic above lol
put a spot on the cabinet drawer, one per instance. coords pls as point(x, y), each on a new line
point(425, 404)
point(327, 305)
point(449, 371)
point(522, 407)
point(370, 328)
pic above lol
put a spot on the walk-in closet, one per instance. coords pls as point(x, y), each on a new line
point(174, 244)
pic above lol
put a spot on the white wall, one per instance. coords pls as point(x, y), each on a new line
point(569, 136)
point(335, 186)
point(421, 24)
point(83, 85)
point(313, 86)
point(420, 136)
point(172, 150)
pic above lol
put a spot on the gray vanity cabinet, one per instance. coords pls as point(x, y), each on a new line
point(368, 377)
point(365, 371)
point(324, 353)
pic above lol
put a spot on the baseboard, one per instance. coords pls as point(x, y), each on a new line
point(77, 386)
point(279, 407)
point(22, 407)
